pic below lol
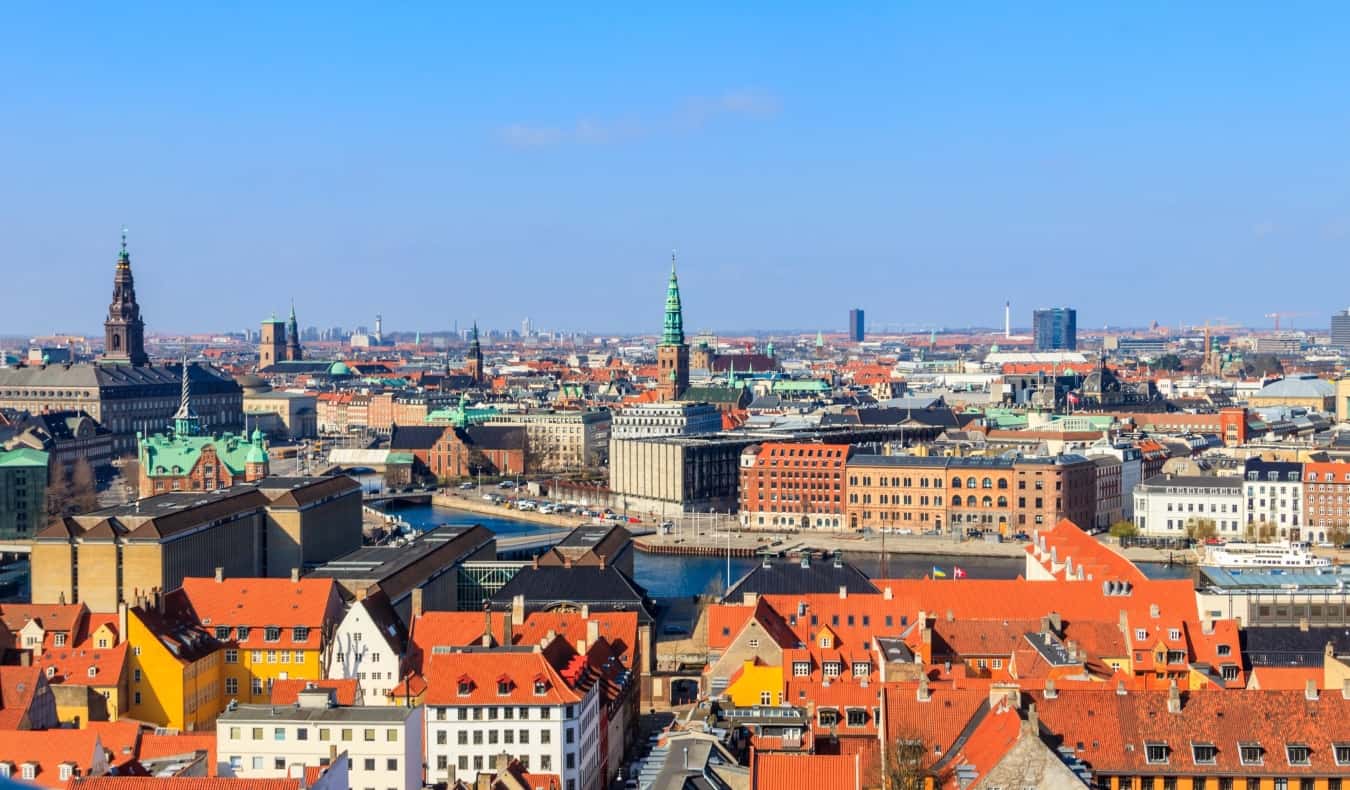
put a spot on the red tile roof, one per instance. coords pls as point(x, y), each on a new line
point(17, 686)
point(52, 617)
point(156, 746)
point(479, 671)
point(49, 748)
point(183, 783)
point(258, 603)
point(818, 771)
point(287, 692)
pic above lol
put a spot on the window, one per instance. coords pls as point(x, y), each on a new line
point(540, 688)
point(222, 632)
point(279, 734)
point(1225, 650)
point(1298, 753)
point(231, 656)
point(271, 634)
point(856, 717)
point(243, 634)
point(766, 698)
point(368, 735)
point(231, 685)
point(300, 633)
point(861, 669)
point(832, 669)
point(1250, 753)
point(391, 735)
point(1155, 752)
point(1342, 753)
point(1204, 753)
point(59, 640)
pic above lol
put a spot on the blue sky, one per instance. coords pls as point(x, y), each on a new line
point(441, 162)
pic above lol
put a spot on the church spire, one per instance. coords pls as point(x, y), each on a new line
point(293, 351)
point(673, 333)
point(185, 419)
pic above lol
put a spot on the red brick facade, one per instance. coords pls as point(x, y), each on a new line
point(796, 485)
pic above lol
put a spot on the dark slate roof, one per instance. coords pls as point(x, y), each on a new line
point(204, 379)
point(415, 437)
point(792, 576)
point(602, 589)
point(496, 437)
point(1291, 646)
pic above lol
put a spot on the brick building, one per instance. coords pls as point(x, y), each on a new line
point(1326, 498)
point(1000, 494)
point(786, 484)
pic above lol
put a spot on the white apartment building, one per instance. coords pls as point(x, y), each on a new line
point(1274, 495)
point(368, 645)
point(481, 702)
point(648, 420)
point(383, 744)
point(1165, 504)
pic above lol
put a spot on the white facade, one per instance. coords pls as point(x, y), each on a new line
point(1275, 497)
point(665, 419)
point(383, 744)
point(1165, 504)
point(463, 740)
point(361, 650)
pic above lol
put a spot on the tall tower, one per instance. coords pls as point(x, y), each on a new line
point(475, 356)
point(271, 342)
point(672, 355)
point(293, 336)
point(124, 331)
point(185, 421)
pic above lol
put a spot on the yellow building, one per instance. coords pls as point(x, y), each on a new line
point(174, 666)
point(756, 684)
point(87, 674)
point(269, 629)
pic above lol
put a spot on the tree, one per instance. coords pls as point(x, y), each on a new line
point(58, 492)
point(1265, 532)
point(1201, 529)
point(83, 487)
point(1166, 362)
point(909, 766)
point(1123, 529)
point(1338, 536)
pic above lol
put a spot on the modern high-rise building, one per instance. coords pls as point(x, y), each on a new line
point(1340, 329)
point(856, 327)
point(1055, 328)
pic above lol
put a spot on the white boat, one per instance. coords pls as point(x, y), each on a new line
point(1283, 554)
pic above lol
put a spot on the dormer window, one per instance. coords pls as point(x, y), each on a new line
point(5, 769)
point(243, 633)
point(801, 669)
point(832, 669)
point(59, 640)
point(1141, 634)
point(1155, 752)
point(29, 770)
point(64, 770)
point(540, 687)
point(464, 687)
point(93, 671)
point(828, 717)
point(271, 634)
point(1298, 754)
point(300, 633)
point(1225, 650)
point(1174, 634)
point(1204, 753)
point(1342, 753)
point(861, 669)
point(1250, 753)
point(503, 686)
point(51, 672)
point(826, 642)
point(222, 632)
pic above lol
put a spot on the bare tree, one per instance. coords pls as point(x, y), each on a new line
point(910, 766)
point(83, 487)
point(1201, 529)
point(58, 491)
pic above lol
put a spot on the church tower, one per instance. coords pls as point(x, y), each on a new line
point(672, 355)
point(124, 331)
point(293, 351)
point(474, 363)
point(271, 343)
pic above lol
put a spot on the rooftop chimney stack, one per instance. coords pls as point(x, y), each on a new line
point(220, 574)
point(1173, 698)
point(1310, 690)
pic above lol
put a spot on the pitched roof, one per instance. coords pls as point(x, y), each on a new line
point(259, 603)
point(605, 588)
point(795, 577)
point(182, 783)
point(159, 746)
point(17, 686)
point(49, 748)
point(472, 677)
point(775, 770)
point(287, 692)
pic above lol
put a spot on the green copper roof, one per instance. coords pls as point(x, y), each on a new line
point(22, 457)
point(461, 416)
point(339, 368)
point(172, 454)
point(673, 333)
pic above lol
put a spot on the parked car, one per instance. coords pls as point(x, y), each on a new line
point(466, 486)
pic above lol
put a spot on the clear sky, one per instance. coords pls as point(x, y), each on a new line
point(447, 161)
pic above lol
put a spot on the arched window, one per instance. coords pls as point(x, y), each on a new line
point(956, 500)
point(970, 482)
point(1003, 483)
point(987, 502)
point(970, 501)
point(987, 483)
point(1002, 501)
point(956, 482)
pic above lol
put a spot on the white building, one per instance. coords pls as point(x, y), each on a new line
point(1274, 496)
point(647, 420)
point(1165, 504)
point(383, 744)
point(481, 702)
point(368, 645)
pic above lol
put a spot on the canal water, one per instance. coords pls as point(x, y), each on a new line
point(672, 575)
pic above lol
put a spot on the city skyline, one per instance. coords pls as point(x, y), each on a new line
point(529, 166)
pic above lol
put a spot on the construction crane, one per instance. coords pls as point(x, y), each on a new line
point(1281, 314)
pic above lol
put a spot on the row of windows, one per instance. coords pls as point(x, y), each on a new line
point(271, 633)
point(492, 736)
point(269, 656)
point(367, 734)
point(521, 712)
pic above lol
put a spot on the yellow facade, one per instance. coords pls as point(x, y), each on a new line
point(168, 690)
point(252, 672)
point(757, 685)
point(1197, 783)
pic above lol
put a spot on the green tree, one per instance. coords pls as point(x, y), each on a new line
point(1123, 529)
point(1166, 362)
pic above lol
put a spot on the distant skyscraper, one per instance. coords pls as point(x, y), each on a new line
point(1340, 329)
point(856, 327)
point(1055, 328)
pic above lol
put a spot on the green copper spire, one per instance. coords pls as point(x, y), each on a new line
point(673, 335)
point(185, 422)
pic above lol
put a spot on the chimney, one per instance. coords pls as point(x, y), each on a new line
point(1207, 627)
point(220, 574)
point(602, 562)
point(592, 633)
point(1173, 698)
point(122, 622)
point(518, 609)
point(295, 574)
point(886, 593)
point(1345, 689)
point(843, 592)
point(487, 623)
point(159, 600)
point(502, 763)
point(951, 616)
point(923, 694)
point(749, 598)
point(1120, 687)
point(508, 629)
point(1310, 690)
point(585, 611)
point(1154, 611)
point(1045, 625)
point(1050, 691)
point(1056, 622)
point(415, 603)
point(1071, 647)
point(1009, 694)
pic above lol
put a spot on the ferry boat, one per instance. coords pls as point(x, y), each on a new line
point(1283, 554)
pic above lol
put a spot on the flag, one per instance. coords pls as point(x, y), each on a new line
point(957, 573)
point(938, 573)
